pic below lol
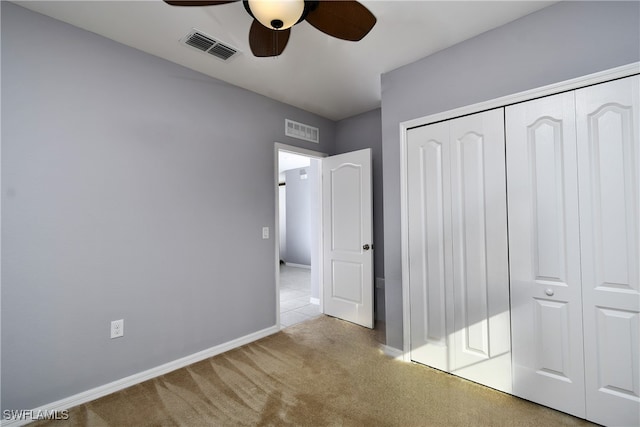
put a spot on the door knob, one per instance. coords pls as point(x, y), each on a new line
point(366, 247)
point(549, 292)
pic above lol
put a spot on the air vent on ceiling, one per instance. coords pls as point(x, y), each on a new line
point(301, 131)
point(197, 39)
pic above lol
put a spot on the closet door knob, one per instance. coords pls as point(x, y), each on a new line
point(366, 247)
point(549, 292)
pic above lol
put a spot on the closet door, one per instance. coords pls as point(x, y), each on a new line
point(480, 345)
point(458, 248)
point(609, 175)
point(429, 223)
point(544, 253)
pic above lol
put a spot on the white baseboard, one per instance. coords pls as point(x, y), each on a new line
point(103, 390)
point(315, 301)
point(392, 352)
point(291, 264)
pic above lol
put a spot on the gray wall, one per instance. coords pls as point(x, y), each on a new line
point(563, 41)
point(298, 217)
point(356, 133)
point(131, 188)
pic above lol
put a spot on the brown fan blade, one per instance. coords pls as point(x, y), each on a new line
point(267, 42)
point(198, 2)
point(344, 19)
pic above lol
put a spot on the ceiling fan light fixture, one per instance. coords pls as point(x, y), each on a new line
point(277, 14)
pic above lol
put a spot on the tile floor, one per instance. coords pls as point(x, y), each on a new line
point(295, 295)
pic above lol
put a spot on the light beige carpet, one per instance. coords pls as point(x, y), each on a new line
point(324, 372)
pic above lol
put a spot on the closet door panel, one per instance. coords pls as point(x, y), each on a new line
point(609, 173)
point(481, 347)
point(544, 253)
point(429, 243)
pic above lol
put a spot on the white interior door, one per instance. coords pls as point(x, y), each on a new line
point(609, 176)
point(429, 233)
point(544, 251)
point(348, 237)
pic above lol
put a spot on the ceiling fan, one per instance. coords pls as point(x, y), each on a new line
point(273, 19)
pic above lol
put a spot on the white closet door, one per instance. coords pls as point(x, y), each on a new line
point(429, 216)
point(544, 253)
point(609, 175)
point(458, 268)
point(480, 348)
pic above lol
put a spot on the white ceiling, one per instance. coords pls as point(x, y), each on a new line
point(318, 73)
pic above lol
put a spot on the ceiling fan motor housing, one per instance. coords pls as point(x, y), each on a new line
point(275, 22)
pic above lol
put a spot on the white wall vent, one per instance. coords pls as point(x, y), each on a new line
point(301, 131)
point(205, 43)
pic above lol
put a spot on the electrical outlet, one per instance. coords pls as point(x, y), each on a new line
point(117, 328)
point(265, 232)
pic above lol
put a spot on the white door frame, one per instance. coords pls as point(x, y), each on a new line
point(600, 77)
point(315, 155)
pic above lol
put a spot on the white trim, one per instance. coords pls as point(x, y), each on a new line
point(291, 264)
point(112, 387)
point(404, 246)
point(392, 352)
point(591, 79)
point(277, 147)
point(298, 150)
point(319, 236)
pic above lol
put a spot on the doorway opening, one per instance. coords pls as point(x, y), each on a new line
point(298, 235)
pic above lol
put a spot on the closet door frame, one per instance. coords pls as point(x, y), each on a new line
point(577, 83)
